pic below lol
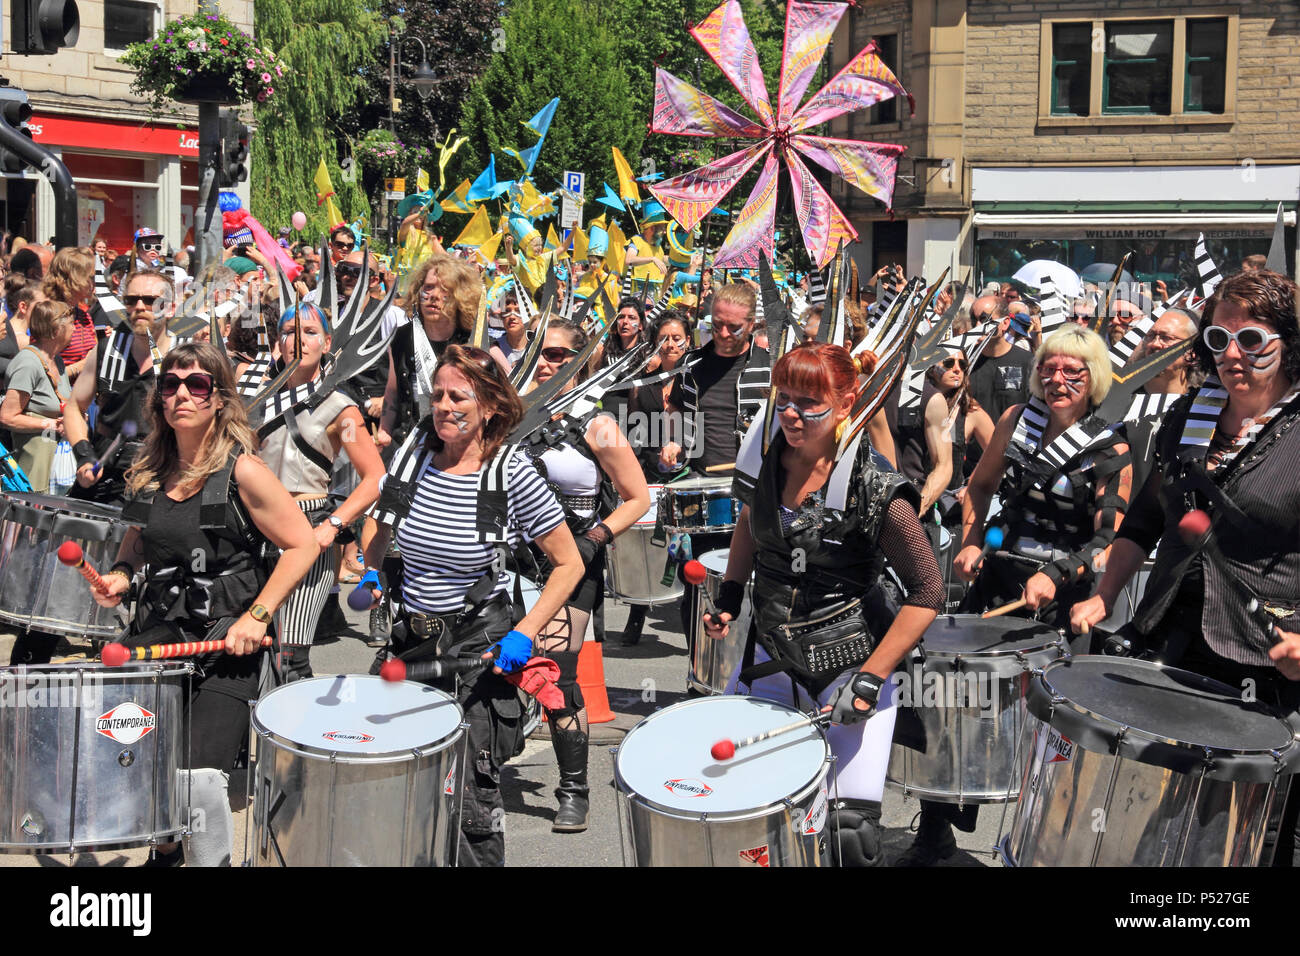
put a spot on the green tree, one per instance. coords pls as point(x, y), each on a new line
point(327, 43)
point(550, 48)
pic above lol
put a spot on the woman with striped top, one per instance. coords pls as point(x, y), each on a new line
point(452, 502)
point(304, 431)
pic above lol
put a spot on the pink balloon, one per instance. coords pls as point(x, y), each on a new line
point(299, 221)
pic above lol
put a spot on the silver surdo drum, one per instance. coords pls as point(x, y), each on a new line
point(961, 707)
point(92, 757)
point(636, 566)
point(766, 806)
point(1134, 764)
point(357, 771)
point(714, 662)
point(36, 590)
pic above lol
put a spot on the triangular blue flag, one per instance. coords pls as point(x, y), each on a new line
point(485, 187)
point(611, 199)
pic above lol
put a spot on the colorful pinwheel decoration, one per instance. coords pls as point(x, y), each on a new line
point(682, 110)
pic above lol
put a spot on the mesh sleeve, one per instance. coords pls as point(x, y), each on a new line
point(907, 548)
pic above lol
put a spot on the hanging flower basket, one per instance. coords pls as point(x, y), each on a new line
point(203, 58)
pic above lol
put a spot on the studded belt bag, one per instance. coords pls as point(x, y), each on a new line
point(827, 644)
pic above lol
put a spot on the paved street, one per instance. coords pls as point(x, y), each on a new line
point(639, 679)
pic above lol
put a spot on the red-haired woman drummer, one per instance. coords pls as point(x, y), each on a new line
point(810, 560)
point(208, 511)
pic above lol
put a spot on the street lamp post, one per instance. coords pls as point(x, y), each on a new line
point(424, 79)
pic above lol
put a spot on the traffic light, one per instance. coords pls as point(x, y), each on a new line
point(15, 111)
point(232, 159)
point(43, 27)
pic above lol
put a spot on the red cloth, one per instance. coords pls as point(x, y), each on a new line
point(83, 337)
point(537, 679)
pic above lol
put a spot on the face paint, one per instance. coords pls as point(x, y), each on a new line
point(808, 418)
point(1264, 363)
point(460, 420)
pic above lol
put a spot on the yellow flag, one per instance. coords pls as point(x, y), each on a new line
point(488, 250)
point(579, 244)
point(616, 254)
point(477, 232)
point(457, 201)
point(627, 188)
point(552, 240)
point(421, 180)
point(325, 194)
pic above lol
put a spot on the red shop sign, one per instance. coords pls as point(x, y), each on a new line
point(51, 130)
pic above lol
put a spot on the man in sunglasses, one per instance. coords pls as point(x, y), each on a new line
point(119, 375)
point(342, 242)
point(1000, 377)
point(1173, 326)
point(1130, 305)
point(149, 247)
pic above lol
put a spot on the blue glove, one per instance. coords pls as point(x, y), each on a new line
point(514, 651)
point(370, 581)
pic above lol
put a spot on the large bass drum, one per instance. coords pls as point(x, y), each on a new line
point(357, 771)
point(961, 707)
point(92, 757)
point(767, 806)
point(1134, 764)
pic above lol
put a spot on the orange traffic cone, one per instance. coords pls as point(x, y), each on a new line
point(591, 678)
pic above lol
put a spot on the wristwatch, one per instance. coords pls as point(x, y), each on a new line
point(259, 613)
point(336, 521)
point(866, 686)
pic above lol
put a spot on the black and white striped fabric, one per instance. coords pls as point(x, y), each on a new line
point(298, 617)
point(1053, 309)
point(1029, 429)
point(816, 288)
point(115, 353)
point(1203, 418)
point(660, 306)
point(1206, 268)
point(109, 302)
point(443, 554)
point(254, 377)
point(752, 388)
point(284, 400)
point(1123, 350)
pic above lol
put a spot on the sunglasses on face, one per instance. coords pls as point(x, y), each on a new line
point(148, 300)
point(557, 354)
point(343, 246)
point(198, 384)
point(348, 270)
point(952, 362)
point(151, 246)
point(1250, 340)
point(982, 318)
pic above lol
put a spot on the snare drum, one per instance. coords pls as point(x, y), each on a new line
point(636, 565)
point(714, 662)
point(36, 590)
point(357, 771)
point(1135, 764)
point(962, 696)
point(92, 756)
point(766, 806)
point(699, 505)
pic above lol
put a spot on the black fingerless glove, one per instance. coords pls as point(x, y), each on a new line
point(600, 534)
point(85, 452)
point(731, 594)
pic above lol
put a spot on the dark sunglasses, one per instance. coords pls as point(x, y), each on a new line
point(344, 246)
point(952, 362)
point(348, 270)
point(198, 384)
point(148, 300)
point(982, 318)
point(557, 354)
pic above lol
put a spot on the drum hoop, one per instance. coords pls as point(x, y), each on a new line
point(312, 752)
point(141, 669)
point(1130, 731)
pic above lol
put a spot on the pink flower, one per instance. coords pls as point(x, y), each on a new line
point(261, 97)
point(192, 45)
point(278, 71)
point(251, 65)
point(266, 77)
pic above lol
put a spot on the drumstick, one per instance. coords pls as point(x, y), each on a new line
point(726, 749)
point(1004, 609)
point(114, 655)
point(695, 573)
point(70, 553)
point(725, 466)
point(128, 431)
point(396, 669)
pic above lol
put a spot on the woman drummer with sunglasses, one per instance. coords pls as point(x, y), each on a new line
point(205, 512)
point(302, 457)
point(1230, 449)
point(451, 505)
point(577, 459)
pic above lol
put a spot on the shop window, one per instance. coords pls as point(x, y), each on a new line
point(127, 22)
point(1176, 67)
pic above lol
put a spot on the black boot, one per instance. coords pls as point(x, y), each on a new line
point(380, 624)
point(934, 840)
point(856, 840)
point(571, 754)
point(635, 624)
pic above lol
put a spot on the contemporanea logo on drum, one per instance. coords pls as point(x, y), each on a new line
point(45, 690)
point(918, 689)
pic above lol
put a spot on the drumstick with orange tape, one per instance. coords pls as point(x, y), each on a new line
point(726, 749)
point(70, 553)
point(115, 655)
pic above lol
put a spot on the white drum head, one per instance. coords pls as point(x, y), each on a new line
point(666, 758)
point(715, 561)
point(358, 715)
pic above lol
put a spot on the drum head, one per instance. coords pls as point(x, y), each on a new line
point(1167, 707)
point(716, 561)
point(666, 758)
point(969, 634)
point(358, 715)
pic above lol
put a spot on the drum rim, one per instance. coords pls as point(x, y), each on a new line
point(311, 751)
point(1147, 735)
point(92, 846)
point(624, 788)
point(73, 506)
point(1058, 642)
point(137, 668)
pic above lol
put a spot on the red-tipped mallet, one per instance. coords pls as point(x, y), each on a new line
point(726, 749)
point(70, 553)
point(1194, 525)
point(115, 655)
point(396, 669)
point(696, 574)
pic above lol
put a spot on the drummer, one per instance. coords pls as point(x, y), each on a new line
point(842, 551)
point(198, 490)
point(580, 459)
point(1194, 613)
point(451, 594)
